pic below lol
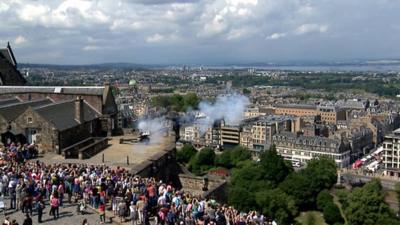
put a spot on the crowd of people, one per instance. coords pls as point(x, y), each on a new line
point(114, 192)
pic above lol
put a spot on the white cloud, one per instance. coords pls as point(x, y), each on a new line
point(20, 40)
point(91, 48)
point(310, 28)
point(276, 36)
point(200, 25)
point(242, 2)
point(155, 38)
point(4, 7)
point(34, 12)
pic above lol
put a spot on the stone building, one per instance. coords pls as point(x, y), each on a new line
point(9, 112)
point(391, 153)
point(56, 126)
point(304, 148)
point(329, 114)
point(359, 138)
point(9, 74)
point(100, 98)
point(263, 128)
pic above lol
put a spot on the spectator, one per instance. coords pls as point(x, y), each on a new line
point(28, 220)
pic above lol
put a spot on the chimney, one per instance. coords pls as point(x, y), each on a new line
point(79, 117)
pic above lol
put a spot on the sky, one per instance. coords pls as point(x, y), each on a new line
point(199, 31)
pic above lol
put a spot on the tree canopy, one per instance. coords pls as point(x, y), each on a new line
point(176, 102)
point(186, 153)
point(366, 206)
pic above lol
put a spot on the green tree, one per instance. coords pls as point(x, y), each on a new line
point(366, 206)
point(322, 173)
point(397, 190)
point(176, 102)
point(332, 214)
point(239, 154)
point(232, 157)
point(310, 219)
point(224, 159)
point(246, 91)
point(274, 166)
point(277, 204)
point(202, 162)
point(186, 153)
point(191, 100)
point(241, 198)
point(323, 199)
point(306, 184)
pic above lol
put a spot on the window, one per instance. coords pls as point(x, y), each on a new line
point(29, 120)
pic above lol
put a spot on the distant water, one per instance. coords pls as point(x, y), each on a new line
point(358, 68)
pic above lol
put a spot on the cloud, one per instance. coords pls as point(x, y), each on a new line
point(199, 31)
point(91, 48)
point(276, 36)
point(155, 38)
point(158, 38)
point(4, 7)
point(310, 28)
point(20, 40)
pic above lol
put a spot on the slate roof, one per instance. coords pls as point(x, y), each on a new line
point(12, 111)
point(309, 142)
point(296, 106)
point(86, 90)
point(5, 53)
point(62, 115)
point(9, 101)
point(9, 74)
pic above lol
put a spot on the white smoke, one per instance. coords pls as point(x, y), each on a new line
point(156, 127)
point(230, 108)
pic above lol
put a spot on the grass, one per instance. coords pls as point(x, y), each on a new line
point(311, 218)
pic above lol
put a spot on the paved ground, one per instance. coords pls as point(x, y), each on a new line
point(68, 216)
point(116, 154)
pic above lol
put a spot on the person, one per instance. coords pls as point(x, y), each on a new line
point(121, 211)
point(134, 213)
point(81, 207)
point(85, 222)
point(102, 210)
point(7, 221)
point(54, 203)
point(40, 206)
point(28, 220)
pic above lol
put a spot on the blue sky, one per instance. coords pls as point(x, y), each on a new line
point(199, 31)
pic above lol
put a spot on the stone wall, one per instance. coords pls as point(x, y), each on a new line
point(46, 138)
point(162, 166)
point(78, 133)
point(216, 187)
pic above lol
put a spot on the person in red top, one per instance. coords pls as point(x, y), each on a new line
point(54, 203)
point(102, 210)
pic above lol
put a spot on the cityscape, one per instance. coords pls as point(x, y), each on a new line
point(199, 112)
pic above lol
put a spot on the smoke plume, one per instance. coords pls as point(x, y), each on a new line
point(156, 127)
point(230, 108)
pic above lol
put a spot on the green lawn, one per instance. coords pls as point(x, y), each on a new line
point(311, 218)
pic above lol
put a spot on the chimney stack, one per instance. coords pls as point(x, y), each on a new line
point(79, 117)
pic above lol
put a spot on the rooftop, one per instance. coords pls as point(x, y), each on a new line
point(62, 115)
point(12, 111)
point(296, 106)
point(83, 90)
